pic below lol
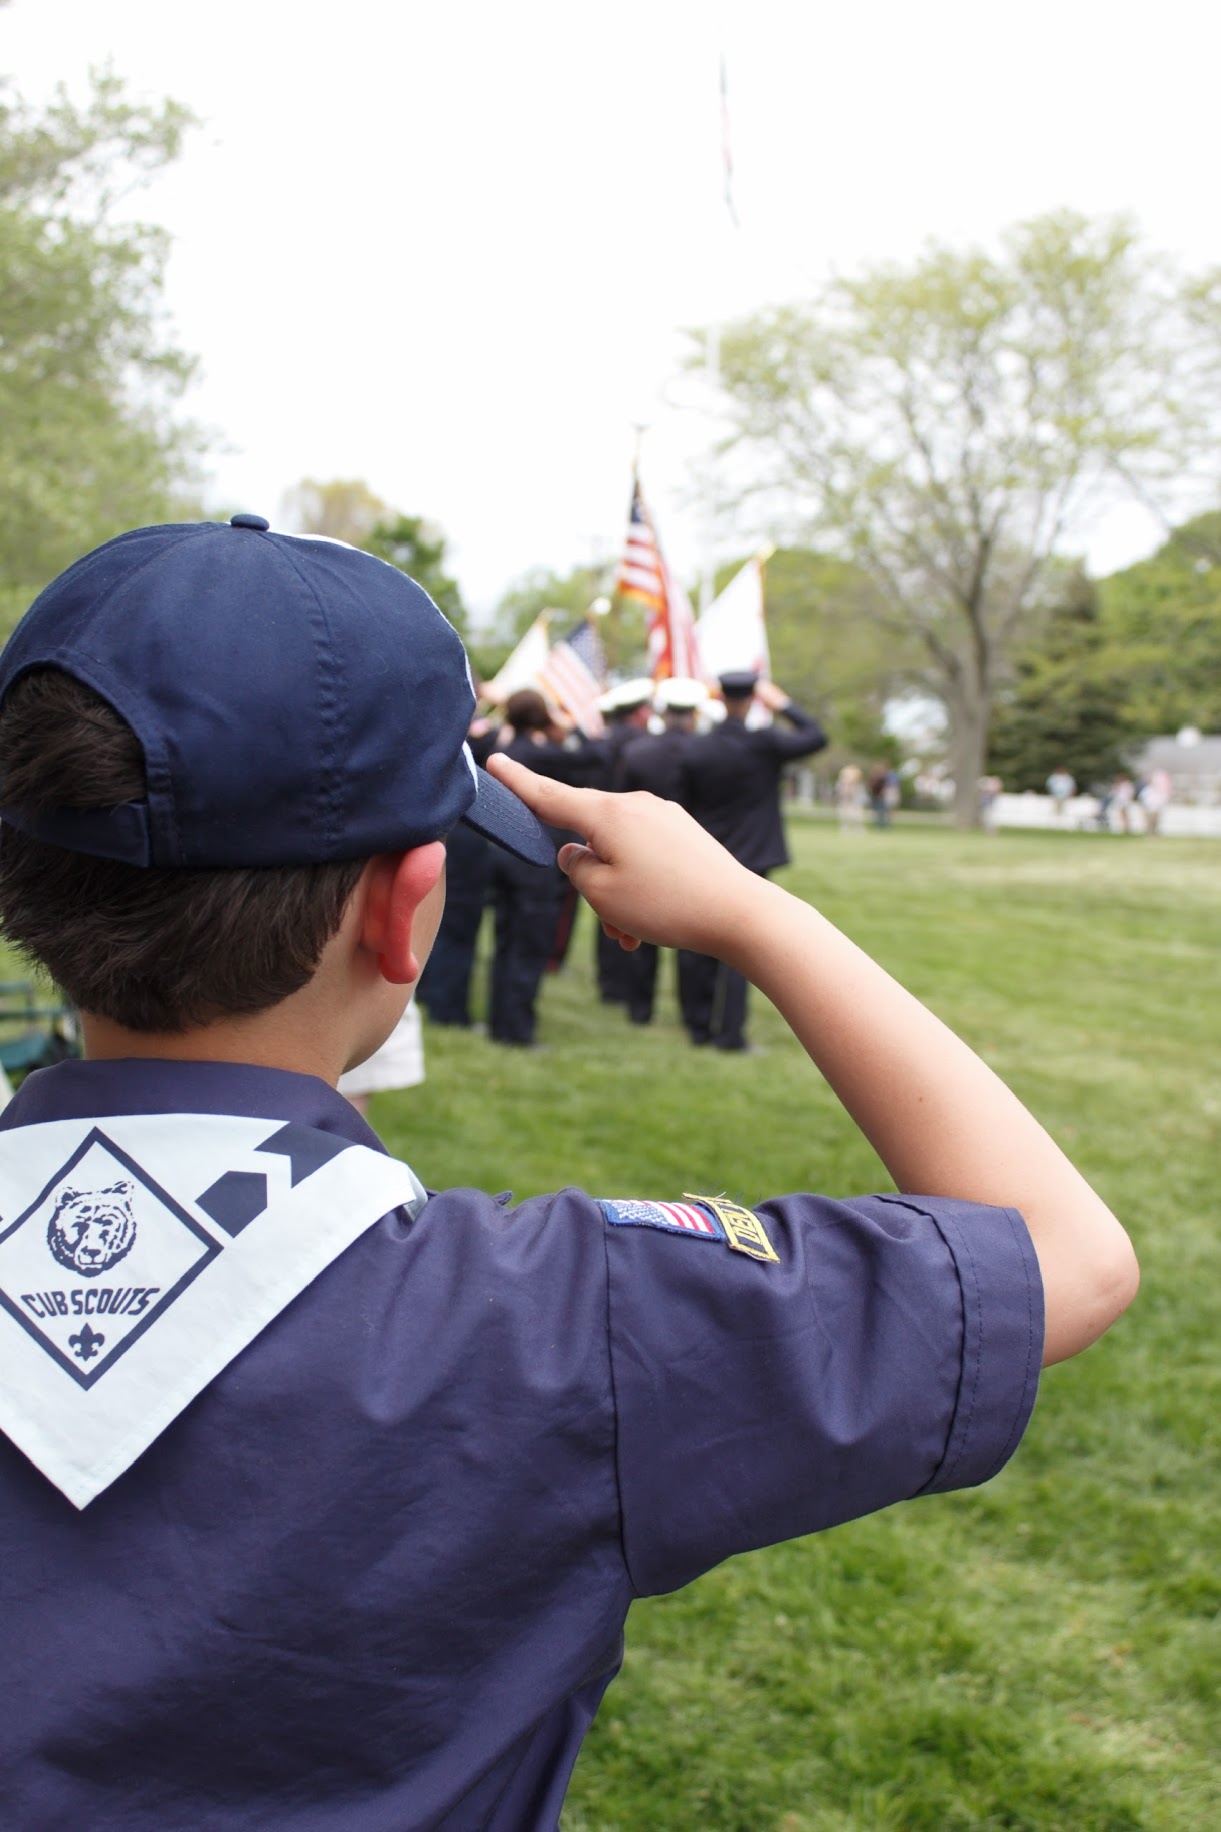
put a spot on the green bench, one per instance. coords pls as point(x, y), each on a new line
point(35, 1030)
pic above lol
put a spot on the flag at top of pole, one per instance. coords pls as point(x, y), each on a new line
point(640, 570)
point(644, 575)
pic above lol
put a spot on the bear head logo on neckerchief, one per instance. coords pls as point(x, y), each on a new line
point(97, 1255)
point(90, 1230)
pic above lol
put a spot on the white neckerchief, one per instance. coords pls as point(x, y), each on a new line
point(140, 1253)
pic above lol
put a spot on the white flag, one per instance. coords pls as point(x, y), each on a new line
point(731, 634)
point(525, 666)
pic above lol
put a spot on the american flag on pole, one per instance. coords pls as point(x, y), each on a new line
point(574, 674)
point(641, 574)
point(673, 642)
point(644, 575)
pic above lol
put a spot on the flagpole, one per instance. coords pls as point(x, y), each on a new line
point(712, 344)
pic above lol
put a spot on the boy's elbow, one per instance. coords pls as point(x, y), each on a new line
point(1095, 1294)
point(1118, 1279)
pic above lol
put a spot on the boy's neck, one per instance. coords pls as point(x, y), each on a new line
point(253, 1040)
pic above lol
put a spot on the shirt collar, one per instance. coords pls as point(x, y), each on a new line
point(91, 1090)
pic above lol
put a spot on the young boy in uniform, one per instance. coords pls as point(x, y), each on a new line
point(323, 1497)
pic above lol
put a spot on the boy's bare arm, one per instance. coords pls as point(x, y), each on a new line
point(942, 1123)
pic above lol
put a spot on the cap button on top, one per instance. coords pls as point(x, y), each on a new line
point(250, 521)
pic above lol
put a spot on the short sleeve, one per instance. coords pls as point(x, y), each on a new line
point(891, 1349)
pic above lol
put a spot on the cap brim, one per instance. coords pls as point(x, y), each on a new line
point(505, 820)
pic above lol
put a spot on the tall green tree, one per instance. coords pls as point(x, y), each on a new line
point(89, 376)
point(944, 425)
point(1067, 704)
point(1160, 624)
point(1136, 656)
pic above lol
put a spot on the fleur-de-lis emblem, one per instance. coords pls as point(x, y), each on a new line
point(87, 1344)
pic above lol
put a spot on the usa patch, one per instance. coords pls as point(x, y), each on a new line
point(672, 1217)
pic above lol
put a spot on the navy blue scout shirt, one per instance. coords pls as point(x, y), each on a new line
point(375, 1576)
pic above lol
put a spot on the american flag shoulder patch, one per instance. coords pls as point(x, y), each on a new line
point(688, 1217)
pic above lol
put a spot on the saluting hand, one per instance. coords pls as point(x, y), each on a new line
point(771, 696)
point(648, 870)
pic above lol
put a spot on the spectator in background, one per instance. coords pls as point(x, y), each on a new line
point(1153, 796)
point(1061, 786)
point(877, 795)
point(850, 798)
point(990, 802)
point(1123, 794)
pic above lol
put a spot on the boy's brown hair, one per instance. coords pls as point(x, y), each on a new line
point(148, 948)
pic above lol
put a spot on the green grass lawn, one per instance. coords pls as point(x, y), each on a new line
point(1040, 1653)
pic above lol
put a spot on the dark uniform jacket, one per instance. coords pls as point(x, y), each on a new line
point(584, 763)
point(733, 784)
point(614, 744)
point(654, 763)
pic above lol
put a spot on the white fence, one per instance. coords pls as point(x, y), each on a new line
point(1081, 815)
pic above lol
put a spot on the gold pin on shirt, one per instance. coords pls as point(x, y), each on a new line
point(744, 1232)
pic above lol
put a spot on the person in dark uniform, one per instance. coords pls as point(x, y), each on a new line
point(526, 902)
point(626, 709)
point(325, 1497)
point(445, 986)
point(654, 762)
point(733, 790)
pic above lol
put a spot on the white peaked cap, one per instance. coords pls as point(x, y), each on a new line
point(680, 695)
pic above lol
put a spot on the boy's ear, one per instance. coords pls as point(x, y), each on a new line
point(396, 886)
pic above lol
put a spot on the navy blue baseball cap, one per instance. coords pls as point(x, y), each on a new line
point(739, 684)
point(297, 701)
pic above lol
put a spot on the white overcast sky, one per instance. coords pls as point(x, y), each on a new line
point(448, 248)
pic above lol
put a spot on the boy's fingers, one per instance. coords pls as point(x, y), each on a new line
point(557, 804)
point(570, 854)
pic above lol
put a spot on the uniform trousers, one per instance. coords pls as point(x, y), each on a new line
point(526, 901)
point(713, 998)
point(713, 1001)
point(445, 984)
point(614, 970)
point(638, 977)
